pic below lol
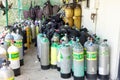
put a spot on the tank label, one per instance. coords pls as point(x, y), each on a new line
point(12, 78)
point(78, 56)
point(18, 43)
point(13, 56)
point(91, 56)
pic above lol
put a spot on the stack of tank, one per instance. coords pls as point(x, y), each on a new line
point(73, 15)
point(90, 61)
point(14, 40)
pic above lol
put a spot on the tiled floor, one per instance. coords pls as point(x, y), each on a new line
point(32, 71)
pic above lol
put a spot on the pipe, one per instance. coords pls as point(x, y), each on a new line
point(6, 9)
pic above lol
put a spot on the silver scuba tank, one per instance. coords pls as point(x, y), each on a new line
point(13, 57)
point(85, 53)
point(40, 25)
point(65, 38)
point(19, 44)
point(55, 38)
point(39, 38)
point(72, 44)
point(3, 54)
point(33, 31)
point(6, 73)
point(58, 57)
point(65, 61)
point(104, 60)
point(91, 57)
point(45, 61)
point(78, 61)
point(8, 39)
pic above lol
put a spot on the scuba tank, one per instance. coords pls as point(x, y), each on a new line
point(33, 31)
point(2, 42)
point(65, 60)
point(69, 11)
point(27, 28)
point(54, 55)
point(13, 34)
point(78, 61)
point(24, 38)
point(77, 16)
point(91, 57)
point(58, 57)
point(6, 73)
point(72, 44)
point(40, 24)
point(85, 53)
point(54, 50)
point(69, 20)
point(65, 38)
point(37, 28)
point(55, 38)
point(8, 39)
point(13, 57)
point(69, 15)
point(3, 54)
point(39, 38)
point(45, 61)
point(19, 44)
point(97, 43)
point(104, 61)
point(37, 32)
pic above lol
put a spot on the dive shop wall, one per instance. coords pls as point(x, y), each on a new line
point(105, 25)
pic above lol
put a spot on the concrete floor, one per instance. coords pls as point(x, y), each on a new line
point(32, 71)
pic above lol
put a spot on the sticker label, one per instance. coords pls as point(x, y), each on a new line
point(53, 55)
point(12, 78)
point(78, 56)
point(18, 43)
point(13, 56)
point(91, 55)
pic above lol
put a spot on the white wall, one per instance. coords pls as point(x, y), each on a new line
point(108, 27)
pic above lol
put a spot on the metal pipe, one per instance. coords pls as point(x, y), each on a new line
point(19, 9)
point(6, 9)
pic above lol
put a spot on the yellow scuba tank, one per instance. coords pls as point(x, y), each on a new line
point(69, 21)
point(68, 11)
point(28, 36)
point(69, 15)
point(77, 16)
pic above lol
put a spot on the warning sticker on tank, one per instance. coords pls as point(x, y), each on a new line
point(78, 56)
point(91, 55)
point(18, 43)
point(12, 78)
point(13, 56)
